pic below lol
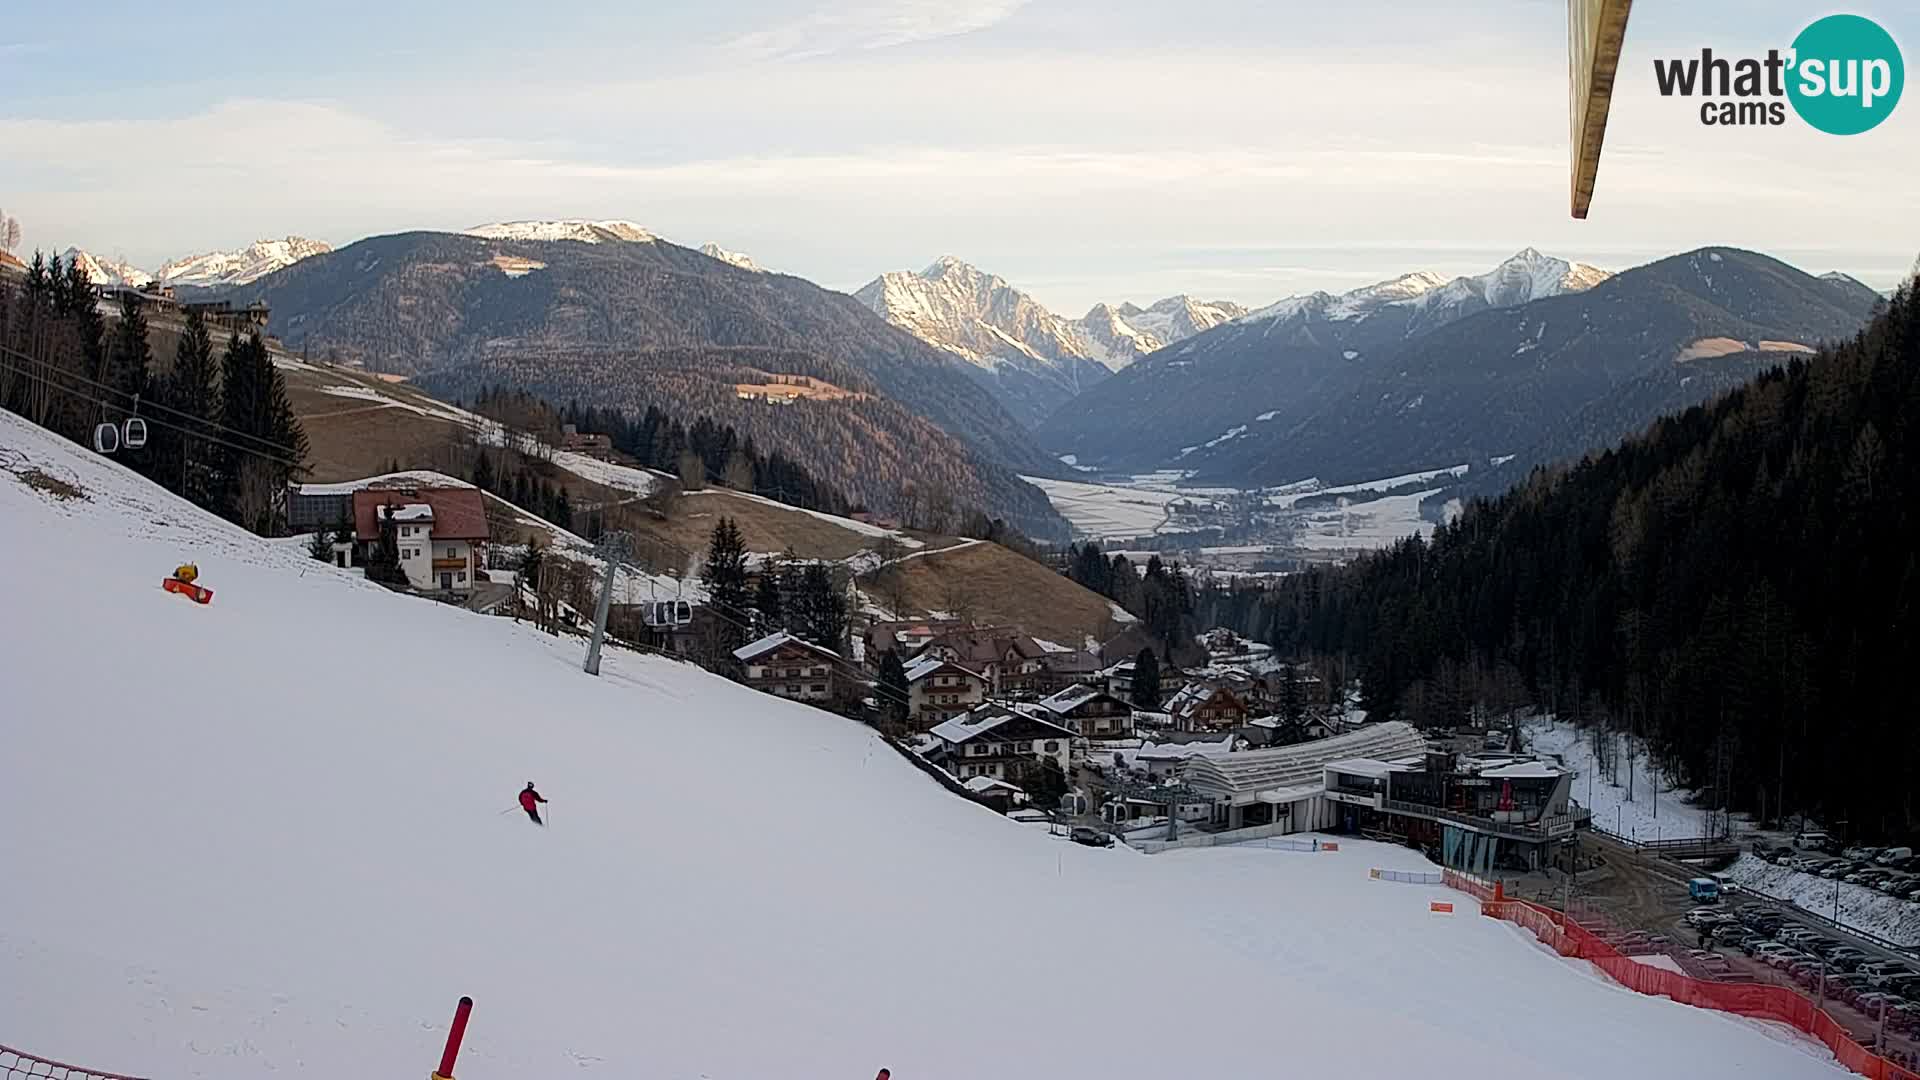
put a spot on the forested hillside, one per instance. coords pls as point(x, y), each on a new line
point(864, 443)
point(1740, 584)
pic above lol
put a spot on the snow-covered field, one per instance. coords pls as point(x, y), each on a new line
point(277, 834)
point(1665, 815)
point(1363, 526)
point(1104, 511)
point(1861, 908)
point(1140, 508)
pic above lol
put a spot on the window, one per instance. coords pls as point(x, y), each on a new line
point(460, 575)
point(1053, 746)
point(793, 673)
point(451, 555)
point(793, 689)
point(819, 688)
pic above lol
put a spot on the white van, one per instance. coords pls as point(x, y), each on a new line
point(1893, 855)
point(1810, 840)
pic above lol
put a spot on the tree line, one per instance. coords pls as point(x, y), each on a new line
point(220, 433)
point(1739, 586)
point(1162, 597)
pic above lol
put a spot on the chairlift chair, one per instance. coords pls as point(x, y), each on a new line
point(106, 438)
point(133, 434)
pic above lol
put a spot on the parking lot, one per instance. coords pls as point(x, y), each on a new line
point(1641, 904)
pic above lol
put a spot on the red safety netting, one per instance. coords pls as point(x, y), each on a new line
point(1764, 1002)
point(17, 1064)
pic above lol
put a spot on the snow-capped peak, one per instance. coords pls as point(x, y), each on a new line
point(731, 258)
point(580, 229)
point(1528, 275)
point(106, 271)
point(256, 260)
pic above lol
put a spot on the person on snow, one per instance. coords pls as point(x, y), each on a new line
point(529, 801)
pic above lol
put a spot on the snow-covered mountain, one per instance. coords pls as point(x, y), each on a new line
point(1031, 357)
point(258, 259)
point(106, 271)
point(1427, 299)
point(1527, 276)
point(1178, 318)
point(732, 258)
point(586, 232)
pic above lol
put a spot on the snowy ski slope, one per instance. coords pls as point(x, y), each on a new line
point(266, 837)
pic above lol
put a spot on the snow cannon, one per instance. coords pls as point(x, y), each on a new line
point(182, 583)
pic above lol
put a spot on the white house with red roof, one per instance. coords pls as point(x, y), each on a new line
point(441, 533)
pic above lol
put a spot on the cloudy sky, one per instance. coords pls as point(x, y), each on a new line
point(1085, 149)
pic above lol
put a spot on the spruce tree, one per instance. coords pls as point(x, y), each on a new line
point(563, 510)
point(894, 690)
point(1293, 697)
point(766, 597)
point(130, 359)
point(192, 390)
point(1146, 681)
point(483, 471)
point(826, 609)
point(725, 576)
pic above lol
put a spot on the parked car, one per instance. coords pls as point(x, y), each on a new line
point(1083, 834)
point(1794, 934)
point(1756, 916)
point(1892, 854)
point(1881, 973)
point(1873, 1001)
point(1702, 917)
point(1860, 853)
point(1733, 933)
point(1812, 840)
point(1907, 986)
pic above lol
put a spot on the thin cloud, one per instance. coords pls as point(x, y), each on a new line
point(848, 27)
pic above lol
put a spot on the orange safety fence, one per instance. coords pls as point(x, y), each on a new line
point(18, 1064)
point(1764, 1002)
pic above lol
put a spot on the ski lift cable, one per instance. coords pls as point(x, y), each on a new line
point(139, 400)
point(84, 396)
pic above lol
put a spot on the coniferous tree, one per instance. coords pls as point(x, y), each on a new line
point(725, 575)
point(1146, 681)
point(1293, 698)
point(192, 390)
point(894, 689)
point(483, 471)
point(321, 546)
point(129, 362)
point(767, 603)
point(825, 608)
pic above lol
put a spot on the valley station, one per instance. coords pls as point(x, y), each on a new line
point(1477, 813)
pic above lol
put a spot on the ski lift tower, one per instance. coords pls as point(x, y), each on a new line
point(1170, 794)
point(614, 548)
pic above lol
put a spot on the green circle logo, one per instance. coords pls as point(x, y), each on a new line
point(1847, 75)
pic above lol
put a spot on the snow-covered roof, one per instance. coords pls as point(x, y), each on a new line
point(927, 665)
point(774, 641)
point(1524, 770)
point(1183, 751)
point(981, 784)
point(1072, 697)
point(1361, 767)
point(411, 512)
point(414, 478)
point(986, 718)
point(1241, 777)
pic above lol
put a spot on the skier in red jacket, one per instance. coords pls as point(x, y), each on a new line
point(529, 800)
